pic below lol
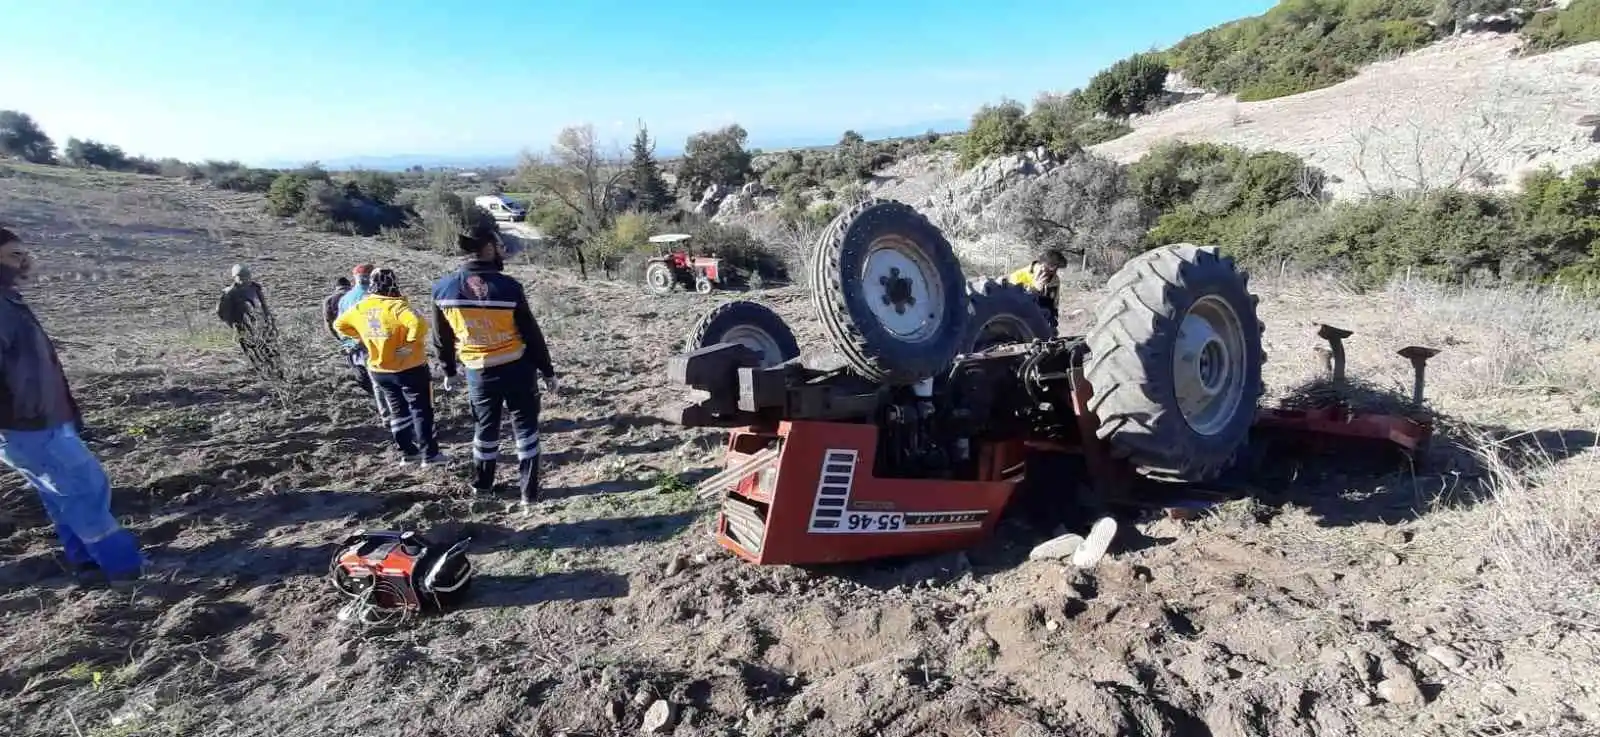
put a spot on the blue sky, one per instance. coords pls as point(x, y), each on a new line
point(298, 80)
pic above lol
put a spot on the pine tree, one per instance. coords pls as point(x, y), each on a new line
point(644, 176)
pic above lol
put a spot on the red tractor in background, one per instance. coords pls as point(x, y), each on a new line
point(670, 268)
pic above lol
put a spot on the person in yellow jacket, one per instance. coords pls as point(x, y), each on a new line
point(397, 358)
point(1040, 279)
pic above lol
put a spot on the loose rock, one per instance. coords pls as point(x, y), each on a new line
point(1495, 694)
point(659, 717)
point(1446, 656)
point(676, 565)
point(1400, 688)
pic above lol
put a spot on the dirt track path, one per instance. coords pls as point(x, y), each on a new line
point(1254, 622)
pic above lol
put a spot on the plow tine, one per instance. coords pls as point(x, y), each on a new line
point(1335, 356)
point(1418, 355)
point(713, 486)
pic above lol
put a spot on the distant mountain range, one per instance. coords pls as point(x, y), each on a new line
point(398, 162)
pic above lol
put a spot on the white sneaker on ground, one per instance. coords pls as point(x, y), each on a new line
point(437, 459)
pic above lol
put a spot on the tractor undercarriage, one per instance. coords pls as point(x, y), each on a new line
point(920, 443)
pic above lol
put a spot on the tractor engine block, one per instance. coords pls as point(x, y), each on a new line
point(1007, 393)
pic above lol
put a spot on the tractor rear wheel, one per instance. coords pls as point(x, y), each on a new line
point(1002, 313)
point(1175, 363)
point(888, 290)
point(750, 324)
point(658, 277)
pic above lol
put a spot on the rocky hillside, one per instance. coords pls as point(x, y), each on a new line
point(1464, 112)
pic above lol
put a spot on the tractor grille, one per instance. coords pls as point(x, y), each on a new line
point(746, 523)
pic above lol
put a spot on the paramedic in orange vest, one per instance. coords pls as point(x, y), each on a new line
point(1039, 278)
point(392, 333)
point(483, 323)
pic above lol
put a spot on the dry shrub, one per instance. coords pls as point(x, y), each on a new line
point(1538, 525)
point(1527, 337)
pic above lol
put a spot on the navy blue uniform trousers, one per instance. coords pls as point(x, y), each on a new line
point(510, 388)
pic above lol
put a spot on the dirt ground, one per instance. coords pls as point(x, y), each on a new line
point(1333, 604)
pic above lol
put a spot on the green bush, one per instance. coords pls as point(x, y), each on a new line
point(244, 180)
point(1579, 23)
point(21, 136)
point(1063, 124)
point(736, 246)
point(1055, 120)
point(444, 215)
point(1218, 180)
point(714, 157)
point(628, 236)
point(996, 130)
point(1097, 131)
point(1261, 208)
point(377, 186)
point(1128, 86)
point(851, 161)
point(1302, 45)
point(287, 194)
point(344, 209)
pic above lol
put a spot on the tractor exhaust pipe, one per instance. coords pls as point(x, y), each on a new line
point(1418, 356)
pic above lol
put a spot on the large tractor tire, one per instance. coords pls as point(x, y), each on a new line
point(750, 324)
point(1175, 363)
point(1000, 312)
point(658, 277)
point(888, 290)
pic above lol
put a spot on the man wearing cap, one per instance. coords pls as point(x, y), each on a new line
point(481, 320)
point(243, 307)
point(354, 352)
point(39, 434)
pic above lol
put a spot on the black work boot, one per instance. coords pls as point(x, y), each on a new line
point(529, 484)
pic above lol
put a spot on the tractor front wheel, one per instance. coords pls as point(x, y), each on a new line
point(888, 290)
point(750, 324)
point(999, 313)
point(1175, 363)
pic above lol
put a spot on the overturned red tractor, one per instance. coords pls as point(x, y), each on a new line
point(955, 394)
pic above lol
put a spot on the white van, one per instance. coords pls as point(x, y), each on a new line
point(501, 207)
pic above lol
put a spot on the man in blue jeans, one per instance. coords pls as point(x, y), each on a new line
point(39, 433)
point(481, 320)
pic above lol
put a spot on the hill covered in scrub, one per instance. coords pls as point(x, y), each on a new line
point(1459, 153)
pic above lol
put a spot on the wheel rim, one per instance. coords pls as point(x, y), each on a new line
point(903, 289)
point(1208, 365)
point(757, 340)
point(657, 276)
point(1000, 329)
point(703, 286)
